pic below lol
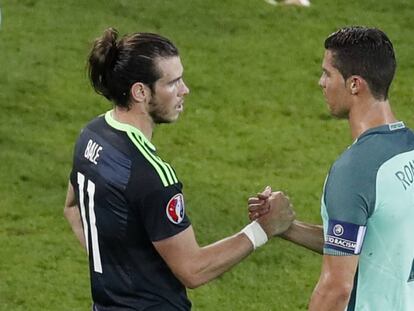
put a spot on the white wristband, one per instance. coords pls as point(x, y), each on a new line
point(256, 234)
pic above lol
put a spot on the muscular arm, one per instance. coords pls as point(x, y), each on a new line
point(194, 265)
point(307, 235)
point(71, 212)
point(335, 283)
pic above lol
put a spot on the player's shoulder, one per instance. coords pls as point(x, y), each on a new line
point(96, 123)
point(98, 132)
point(152, 172)
point(148, 166)
point(374, 147)
point(150, 178)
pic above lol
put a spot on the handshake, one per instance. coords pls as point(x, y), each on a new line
point(272, 211)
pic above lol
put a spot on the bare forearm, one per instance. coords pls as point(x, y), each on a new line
point(329, 298)
point(307, 235)
point(194, 265)
point(71, 212)
point(224, 254)
point(217, 258)
point(73, 216)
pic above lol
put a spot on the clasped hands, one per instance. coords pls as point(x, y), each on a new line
point(272, 210)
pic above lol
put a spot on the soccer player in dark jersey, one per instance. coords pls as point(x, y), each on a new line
point(368, 198)
point(125, 204)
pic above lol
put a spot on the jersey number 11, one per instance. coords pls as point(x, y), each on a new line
point(92, 220)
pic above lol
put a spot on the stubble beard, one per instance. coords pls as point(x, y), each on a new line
point(338, 112)
point(158, 113)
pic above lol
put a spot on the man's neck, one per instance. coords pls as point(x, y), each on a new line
point(369, 114)
point(138, 119)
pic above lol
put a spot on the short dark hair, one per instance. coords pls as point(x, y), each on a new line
point(114, 66)
point(366, 52)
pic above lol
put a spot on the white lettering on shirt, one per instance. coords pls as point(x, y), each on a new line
point(92, 151)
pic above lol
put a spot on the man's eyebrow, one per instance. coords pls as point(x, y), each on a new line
point(176, 79)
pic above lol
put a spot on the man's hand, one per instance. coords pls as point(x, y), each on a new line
point(276, 213)
point(259, 205)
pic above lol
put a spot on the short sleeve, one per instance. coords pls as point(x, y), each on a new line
point(163, 213)
point(348, 195)
point(349, 199)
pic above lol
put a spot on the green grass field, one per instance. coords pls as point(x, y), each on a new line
point(255, 116)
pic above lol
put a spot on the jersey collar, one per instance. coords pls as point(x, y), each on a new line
point(126, 128)
point(386, 128)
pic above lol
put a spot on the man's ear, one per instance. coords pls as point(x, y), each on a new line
point(356, 84)
point(140, 92)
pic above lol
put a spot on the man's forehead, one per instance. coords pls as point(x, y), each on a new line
point(327, 59)
point(169, 66)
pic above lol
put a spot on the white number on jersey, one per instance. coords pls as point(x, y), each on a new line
point(92, 220)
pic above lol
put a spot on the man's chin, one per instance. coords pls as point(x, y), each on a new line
point(158, 120)
point(339, 115)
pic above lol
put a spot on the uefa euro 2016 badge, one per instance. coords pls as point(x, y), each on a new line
point(175, 209)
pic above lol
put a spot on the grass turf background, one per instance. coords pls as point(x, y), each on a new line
point(255, 116)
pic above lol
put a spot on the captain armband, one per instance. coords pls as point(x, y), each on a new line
point(343, 238)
